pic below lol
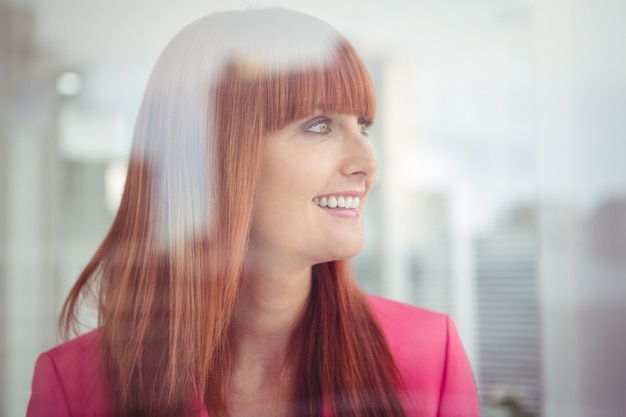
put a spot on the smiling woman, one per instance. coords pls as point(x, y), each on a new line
point(302, 163)
point(224, 287)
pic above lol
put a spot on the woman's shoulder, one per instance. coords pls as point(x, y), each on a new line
point(404, 320)
point(387, 306)
point(417, 338)
point(79, 357)
point(428, 352)
point(81, 345)
point(68, 380)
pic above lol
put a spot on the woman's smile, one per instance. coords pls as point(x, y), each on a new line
point(344, 204)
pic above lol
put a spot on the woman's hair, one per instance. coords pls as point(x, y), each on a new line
point(167, 275)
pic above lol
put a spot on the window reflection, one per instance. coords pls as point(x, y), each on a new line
point(500, 198)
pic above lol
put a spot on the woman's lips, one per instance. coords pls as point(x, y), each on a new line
point(341, 212)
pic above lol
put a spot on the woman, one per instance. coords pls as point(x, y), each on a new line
point(223, 287)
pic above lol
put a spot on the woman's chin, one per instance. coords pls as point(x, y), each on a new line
point(345, 251)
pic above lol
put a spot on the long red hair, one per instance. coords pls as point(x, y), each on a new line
point(167, 275)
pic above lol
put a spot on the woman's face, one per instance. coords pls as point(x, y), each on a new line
point(315, 176)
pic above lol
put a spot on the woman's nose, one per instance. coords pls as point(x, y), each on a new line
point(360, 159)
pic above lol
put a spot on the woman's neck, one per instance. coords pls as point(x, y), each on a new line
point(268, 308)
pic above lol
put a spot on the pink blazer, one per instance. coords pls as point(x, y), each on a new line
point(68, 379)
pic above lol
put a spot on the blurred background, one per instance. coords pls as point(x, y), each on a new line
point(501, 197)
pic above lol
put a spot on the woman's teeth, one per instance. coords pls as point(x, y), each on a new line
point(337, 202)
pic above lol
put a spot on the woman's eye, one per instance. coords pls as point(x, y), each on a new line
point(321, 128)
point(365, 129)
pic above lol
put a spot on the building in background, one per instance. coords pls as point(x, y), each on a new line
point(509, 342)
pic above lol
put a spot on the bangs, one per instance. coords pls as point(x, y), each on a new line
point(273, 99)
point(342, 87)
